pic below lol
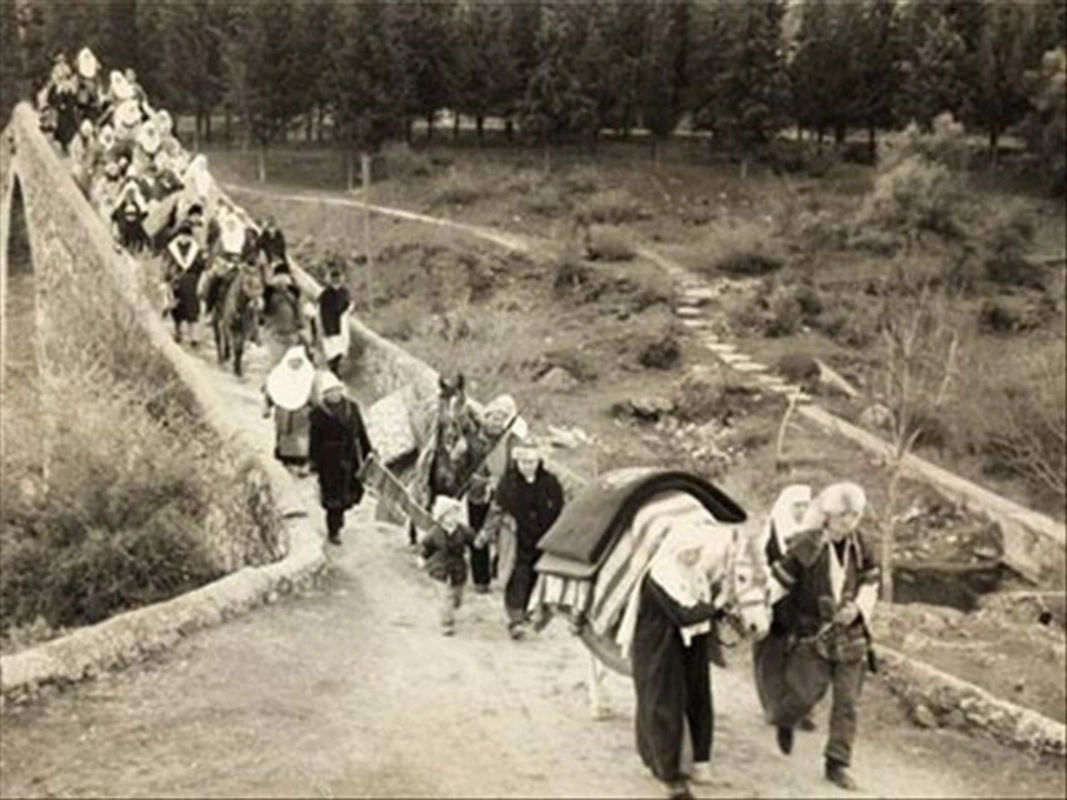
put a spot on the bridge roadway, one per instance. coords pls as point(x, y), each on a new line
point(350, 690)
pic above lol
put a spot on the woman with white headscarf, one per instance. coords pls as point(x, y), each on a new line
point(830, 574)
point(769, 653)
point(669, 652)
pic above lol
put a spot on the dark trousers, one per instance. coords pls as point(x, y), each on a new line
point(481, 567)
point(810, 672)
point(335, 520)
point(519, 588)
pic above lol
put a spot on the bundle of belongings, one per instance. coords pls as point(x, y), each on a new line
point(595, 556)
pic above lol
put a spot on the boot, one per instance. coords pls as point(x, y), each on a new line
point(838, 774)
point(785, 739)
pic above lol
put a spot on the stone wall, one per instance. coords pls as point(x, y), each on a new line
point(71, 244)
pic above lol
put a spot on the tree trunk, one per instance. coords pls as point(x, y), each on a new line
point(227, 128)
point(409, 131)
point(261, 163)
point(321, 124)
point(872, 142)
point(309, 129)
point(365, 163)
point(744, 167)
point(889, 534)
point(840, 133)
point(509, 130)
point(994, 143)
point(455, 127)
point(655, 152)
point(479, 123)
point(350, 169)
point(207, 125)
point(429, 127)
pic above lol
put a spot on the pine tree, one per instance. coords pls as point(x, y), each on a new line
point(738, 80)
point(662, 80)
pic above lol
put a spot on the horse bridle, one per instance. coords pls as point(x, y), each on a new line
point(733, 605)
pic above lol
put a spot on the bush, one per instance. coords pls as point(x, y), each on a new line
point(578, 280)
point(546, 200)
point(744, 249)
point(1004, 244)
point(458, 189)
point(1020, 421)
point(913, 196)
point(612, 207)
point(582, 180)
point(608, 243)
point(662, 354)
point(403, 162)
point(1013, 315)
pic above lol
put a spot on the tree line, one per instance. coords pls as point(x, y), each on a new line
point(554, 70)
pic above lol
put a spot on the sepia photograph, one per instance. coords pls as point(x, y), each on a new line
point(533, 398)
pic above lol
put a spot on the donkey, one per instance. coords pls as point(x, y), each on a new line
point(236, 319)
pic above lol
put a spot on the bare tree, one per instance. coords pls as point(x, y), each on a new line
point(921, 361)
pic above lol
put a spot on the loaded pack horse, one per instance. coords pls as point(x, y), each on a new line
point(596, 555)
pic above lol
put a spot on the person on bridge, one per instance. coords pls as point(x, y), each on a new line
point(444, 551)
point(337, 448)
point(287, 392)
point(527, 502)
point(334, 302)
point(830, 574)
point(186, 266)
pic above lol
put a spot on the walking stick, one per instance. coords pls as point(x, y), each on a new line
point(481, 463)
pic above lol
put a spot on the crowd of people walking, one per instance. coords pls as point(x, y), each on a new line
point(159, 199)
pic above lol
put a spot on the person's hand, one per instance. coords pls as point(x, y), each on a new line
point(847, 613)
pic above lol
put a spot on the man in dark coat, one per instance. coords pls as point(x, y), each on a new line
point(831, 575)
point(334, 301)
point(338, 447)
point(527, 502)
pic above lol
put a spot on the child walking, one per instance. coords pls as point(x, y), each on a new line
point(445, 551)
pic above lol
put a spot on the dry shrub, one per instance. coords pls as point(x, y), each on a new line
point(1017, 416)
point(744, 249)
point(581, 180)
point(458, 189)
point(612, 207)
point(575, 279)
point(778, 309)
point(608, 243)
point(1014, 314)
point(547, 200)
point(664, 353)
point(403, 162)
point(918, 188)
point(123, 518)
point(1005, 241)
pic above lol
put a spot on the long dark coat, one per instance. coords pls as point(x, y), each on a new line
point(672, 682)
point(338, 446)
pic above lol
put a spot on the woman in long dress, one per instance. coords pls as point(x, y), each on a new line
point(670, 660)
point(769, 653)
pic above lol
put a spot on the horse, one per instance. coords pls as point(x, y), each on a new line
point(454, 450)
point(236, 317)
point(596, 555)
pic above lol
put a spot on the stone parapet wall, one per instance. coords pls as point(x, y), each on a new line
point(71, 244)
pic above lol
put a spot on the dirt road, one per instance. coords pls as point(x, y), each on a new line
point(350, 690)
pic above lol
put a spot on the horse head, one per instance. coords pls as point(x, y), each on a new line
point(748, 585)
point(251, 287)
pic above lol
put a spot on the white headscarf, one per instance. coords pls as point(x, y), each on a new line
point(686, 584)
point(782, 524)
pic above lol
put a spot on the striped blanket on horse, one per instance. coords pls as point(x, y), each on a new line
point(596, 553)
